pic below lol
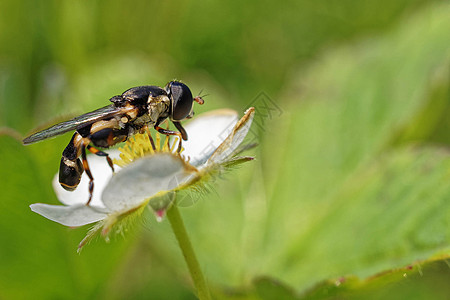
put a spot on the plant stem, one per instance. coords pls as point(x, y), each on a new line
point(173, 214)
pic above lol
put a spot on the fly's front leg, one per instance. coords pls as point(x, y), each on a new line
point(181, 129)
point(101, 153)
point(89, 174)
point(170, 132)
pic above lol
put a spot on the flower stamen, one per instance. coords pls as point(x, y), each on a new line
point(141, 145)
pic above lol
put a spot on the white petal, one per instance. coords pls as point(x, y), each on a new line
point(206, 132)
point(74, 215)
point(102, 174)
point(239, 132)
point(143, 179)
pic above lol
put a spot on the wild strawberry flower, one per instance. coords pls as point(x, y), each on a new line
point(145, 177)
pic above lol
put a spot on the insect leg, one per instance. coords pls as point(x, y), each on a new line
point(181, 129)
point(151, 140)
point(89, 174)
point(170, 132)
point(149, 134)
point(101, 153)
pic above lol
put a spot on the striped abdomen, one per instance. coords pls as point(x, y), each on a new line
point(103, 134)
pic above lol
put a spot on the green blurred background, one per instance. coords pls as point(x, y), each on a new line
point(353, 114)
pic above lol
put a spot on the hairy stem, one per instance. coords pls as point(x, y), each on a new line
point(173, 214)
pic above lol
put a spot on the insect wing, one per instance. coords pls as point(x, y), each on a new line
point(74, 124)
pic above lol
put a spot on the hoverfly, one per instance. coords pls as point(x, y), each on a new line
point(136, 110)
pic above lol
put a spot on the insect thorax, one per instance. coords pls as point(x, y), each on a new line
point(158, 108)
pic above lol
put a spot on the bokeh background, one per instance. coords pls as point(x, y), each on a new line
point(348, 197)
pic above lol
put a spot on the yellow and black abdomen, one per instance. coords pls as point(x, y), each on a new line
point(71, 168)
point(103, 134)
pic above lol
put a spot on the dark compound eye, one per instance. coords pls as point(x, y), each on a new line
point(182, 100)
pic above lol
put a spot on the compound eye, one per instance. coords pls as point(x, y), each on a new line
point(182, 100)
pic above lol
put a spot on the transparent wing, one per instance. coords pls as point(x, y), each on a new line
point(75, 123)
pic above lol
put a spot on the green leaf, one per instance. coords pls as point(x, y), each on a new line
point(412, 282)
point(356, 99)
point(391, 213)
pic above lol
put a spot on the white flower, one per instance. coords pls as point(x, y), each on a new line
point(144, 177)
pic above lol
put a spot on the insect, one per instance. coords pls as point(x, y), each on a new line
point(136, 110)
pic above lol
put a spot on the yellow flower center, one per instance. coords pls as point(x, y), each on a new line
point(141, 145)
